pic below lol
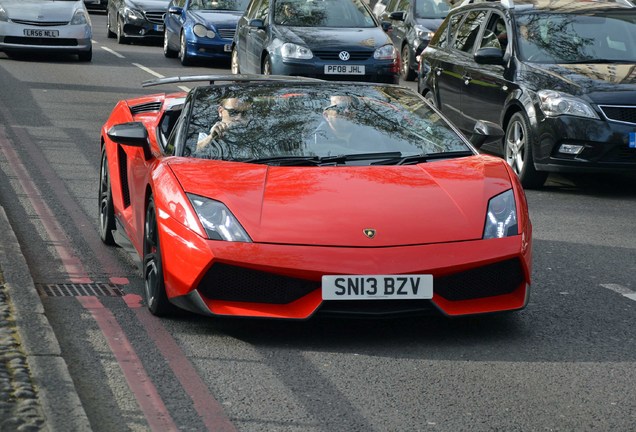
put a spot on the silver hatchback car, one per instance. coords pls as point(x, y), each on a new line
point(62, 26)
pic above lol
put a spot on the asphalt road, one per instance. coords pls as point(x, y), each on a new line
point(567, 362)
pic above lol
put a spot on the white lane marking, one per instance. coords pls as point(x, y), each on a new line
point(150, 71)
point(115, 53)
point(620, 289)
point(184, 88)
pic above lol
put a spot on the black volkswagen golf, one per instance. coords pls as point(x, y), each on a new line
point(559, 77)
point(327, 39)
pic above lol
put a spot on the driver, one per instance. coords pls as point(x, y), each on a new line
point(232, 112)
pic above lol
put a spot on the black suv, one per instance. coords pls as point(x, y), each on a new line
point(414, 24)
point(559, 77)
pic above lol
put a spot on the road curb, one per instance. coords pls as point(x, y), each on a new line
point(60, 403)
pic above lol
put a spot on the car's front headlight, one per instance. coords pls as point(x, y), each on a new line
point(202, 31)
point(501, 218)
point(3, 15)
point(554, 103)
point(132, 14)
point(422, 32)
point(385, 52)
point(79, 18)
point(293, 51)
point(217, 220)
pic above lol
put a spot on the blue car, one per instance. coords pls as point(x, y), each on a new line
point(326, 39)
point(201, 29)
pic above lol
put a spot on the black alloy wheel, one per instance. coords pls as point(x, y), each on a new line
point(519, 154)
point(406, 73)
point(106, 210)
point(154, 285)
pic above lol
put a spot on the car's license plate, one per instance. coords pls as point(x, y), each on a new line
point(381, 287)
point(227, 48)
point(344, 70)
point(41, 33)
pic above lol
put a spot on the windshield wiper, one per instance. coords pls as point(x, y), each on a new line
point(321, 160)
point(424, 157)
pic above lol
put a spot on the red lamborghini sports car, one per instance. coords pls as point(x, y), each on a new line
point(283, 197)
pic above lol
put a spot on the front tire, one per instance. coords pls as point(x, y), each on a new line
point(121, 37)
point(106, 209)
point(267, 66)
point(519, 153)
point(183, 51)
point(85, 56)
point(154, 285)
point(109, 33)
point(406, 73)
point(235, 62)
point(167, 51)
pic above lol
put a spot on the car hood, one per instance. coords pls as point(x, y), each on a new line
point(430, 23)
point(332, 206)
point(217, 18)
point(320, 38)
point(40, 11)
point(149, 4)
point(599, 83)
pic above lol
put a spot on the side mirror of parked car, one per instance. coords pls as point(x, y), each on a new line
point(398, 16)
point(485, 131)
point(489, 56)
point(257, 23)
point(132, 134)
point(176, 10)
point(387, 26)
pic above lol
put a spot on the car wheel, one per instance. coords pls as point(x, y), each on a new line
point(406, 73)
point(106, 210)
point(121, 37)
point(167, 51)
point(85, 56)
point(183, 51)
point(154, 285)
point(267, 66)
point(519, 154)
point(429, 96)
point(235, 63)
point(111, 34)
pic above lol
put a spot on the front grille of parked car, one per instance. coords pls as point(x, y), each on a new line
point(155, 17)
point(334, 55)
point(145, 107)
point(19, 40)
point(231, 283)
point(227, 33)
point(623, 114)
point(495, 279)
point(40, 23)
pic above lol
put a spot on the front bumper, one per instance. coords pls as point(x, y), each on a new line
point(283, 281)
point(381, 71)
point(605, 145)
point(209, 48)
point(70, 38)
point(142, 28)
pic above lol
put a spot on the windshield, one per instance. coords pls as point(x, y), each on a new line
point(238, 122)
point(431, 9)
point(326, 13)
point(227, 5)
point(578, 38)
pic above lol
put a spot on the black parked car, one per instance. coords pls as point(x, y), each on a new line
point(414, 23)
point(328, 39)
point(135, 19)
point(560, 78)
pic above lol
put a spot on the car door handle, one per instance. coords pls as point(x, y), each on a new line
point(438, 71)
point(467, 79)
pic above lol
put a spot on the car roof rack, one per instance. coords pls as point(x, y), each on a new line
point(225, 78)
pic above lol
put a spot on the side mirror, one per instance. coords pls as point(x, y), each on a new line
point(257, 23)
point(485, 131)
point(133, 134)
point(489, 56)
point(387, 26)
point(397, 16)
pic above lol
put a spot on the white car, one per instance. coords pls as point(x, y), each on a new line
point(62, 26)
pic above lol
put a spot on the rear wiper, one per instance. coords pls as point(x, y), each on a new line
point(424, 157)
point(321, 160)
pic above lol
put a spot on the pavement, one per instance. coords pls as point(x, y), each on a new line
point(37, 392)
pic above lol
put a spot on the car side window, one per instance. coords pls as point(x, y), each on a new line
point(262, 11)
point(250, 12)
point(392, 6)
point(468, 31)
point(403, 5)
point(495, 35)
point(441, 35)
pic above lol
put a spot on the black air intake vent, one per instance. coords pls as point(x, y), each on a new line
point(146, 107)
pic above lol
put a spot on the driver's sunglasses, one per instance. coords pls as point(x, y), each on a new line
point(234, 111)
